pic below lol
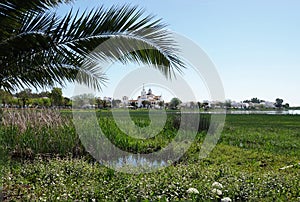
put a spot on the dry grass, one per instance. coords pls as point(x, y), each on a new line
point(24, 118)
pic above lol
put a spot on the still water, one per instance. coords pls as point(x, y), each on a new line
point(275, 112)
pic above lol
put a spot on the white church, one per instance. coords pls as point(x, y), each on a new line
point(146, 100)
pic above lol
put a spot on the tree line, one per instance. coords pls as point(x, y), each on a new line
point(26, 98)
point(54, 98)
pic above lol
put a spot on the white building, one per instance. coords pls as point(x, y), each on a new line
point(148, 100)
point(125, 101)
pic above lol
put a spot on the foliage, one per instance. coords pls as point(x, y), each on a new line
point(253, 100)
point(5, 97)
point(41, 49)
point(56, 97)
point(278, 103)
point(24, 95)
point(175, 102)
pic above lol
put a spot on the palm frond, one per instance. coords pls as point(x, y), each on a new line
point(40, 49)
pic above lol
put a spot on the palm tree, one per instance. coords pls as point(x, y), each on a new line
point(38, 48)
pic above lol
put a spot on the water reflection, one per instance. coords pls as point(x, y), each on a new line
point(136, 162)
point(273, 112)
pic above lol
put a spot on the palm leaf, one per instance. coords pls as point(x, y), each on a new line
point(40, 49)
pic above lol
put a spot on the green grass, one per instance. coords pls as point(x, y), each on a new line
point(49, 163)
point(278, 134)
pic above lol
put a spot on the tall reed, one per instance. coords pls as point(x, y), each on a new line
point(25, 133)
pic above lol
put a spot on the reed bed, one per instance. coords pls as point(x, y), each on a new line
point(26, 133)
point(26, 118)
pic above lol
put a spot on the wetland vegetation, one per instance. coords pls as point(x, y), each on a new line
point(45, 160)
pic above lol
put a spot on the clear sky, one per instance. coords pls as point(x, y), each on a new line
point(255, 45)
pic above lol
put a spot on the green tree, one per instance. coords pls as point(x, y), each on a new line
point(175, 102)
point(46, 102)
point(99, 102)
point(287, 105)
point(255, 100)
point(133, 104)
point(106, 104)
point(278, 102)
point(161, 104)
point(24, 96)
point(40, 48)
point(56, 97)
point(5, 97)
point(145, 103)
point(67, 102)
point(199, 105)
point(44, 94)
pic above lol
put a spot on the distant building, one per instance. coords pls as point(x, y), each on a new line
point(147, 100)
point(125, 101)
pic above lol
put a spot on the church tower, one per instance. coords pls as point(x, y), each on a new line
point(143, 93)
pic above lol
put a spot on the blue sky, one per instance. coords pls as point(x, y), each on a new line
point(254, 45)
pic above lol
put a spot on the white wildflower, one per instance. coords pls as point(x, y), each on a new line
point(217, 185)
point(192, 191)
point(226, 199)
point(217, 191)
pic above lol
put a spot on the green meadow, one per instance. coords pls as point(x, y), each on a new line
point(256, 159)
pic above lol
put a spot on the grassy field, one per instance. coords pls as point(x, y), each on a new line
point(43, 159)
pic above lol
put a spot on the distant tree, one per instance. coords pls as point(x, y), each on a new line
point(39, 102)
point(46, 102)
point(255, 100)
point(99, 102)
point(105, 104)
point(34, 102)
point(67, 102)
point(15, 101)
point(161, 104)
point(278, 102)
point(287, 105)
point(145, 103)
point(24, 96)
point(56, 97)
point(175, 102)
point(133, 104)
point(227, 104)
point(44, 94)
point(5, 97)
point(167, 105)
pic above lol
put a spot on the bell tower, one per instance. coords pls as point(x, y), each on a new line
point(143, 93)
